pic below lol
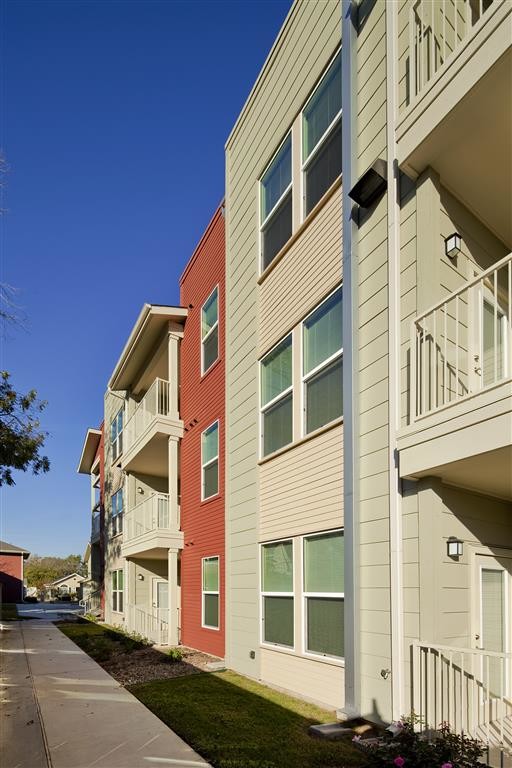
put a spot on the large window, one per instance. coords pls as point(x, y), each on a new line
point(276, 203)
point(210, 592)
point(321, 136)
point(116, 435)
point(277, 397)
point(324, 557)
point(210, 461)
point(277, 593)
point(322, 363)
point(210, 331)
point(117, 590)
point(117, 512)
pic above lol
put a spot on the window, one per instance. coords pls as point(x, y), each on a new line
point(322, 365)
point(210, 461)
point(210, 331)
point(276, 203)
point(117, 590)
point(210, 592)
point(117, 512)
point(116, 435)
point(321, 136)
point(277, 397)
point(324, 557)
point(277, 593)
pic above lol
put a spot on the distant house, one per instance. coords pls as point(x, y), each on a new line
point(71, 584)
point(11, 572)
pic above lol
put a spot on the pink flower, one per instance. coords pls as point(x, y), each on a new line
point(447, 765)
point(399, 761)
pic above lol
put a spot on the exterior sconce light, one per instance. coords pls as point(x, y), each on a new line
point(140, 489)
point(454, 547)
point(140, 577)
point(452, 245)
point(371, 185)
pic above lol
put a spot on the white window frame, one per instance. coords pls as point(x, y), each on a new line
point(118, 515)
point(305, 595)
point(209, 592)
point(206, 464)
point(263, 224)
point(280, 396)
point(209, 333)
point(264, 594)
point(321, 141)
point(114, 443)
point(306, 377)
point(117, 591)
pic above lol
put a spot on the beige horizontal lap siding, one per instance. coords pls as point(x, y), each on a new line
point(319, 682)
point(308, 38)
point(303, 277)
point(301, 491)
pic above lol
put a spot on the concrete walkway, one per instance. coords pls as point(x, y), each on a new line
point(62, 710)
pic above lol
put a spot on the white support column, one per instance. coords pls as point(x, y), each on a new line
point(173, 367)
point(174, 606)
point(173, 469)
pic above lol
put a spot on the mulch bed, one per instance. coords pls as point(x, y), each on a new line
point(147, 664)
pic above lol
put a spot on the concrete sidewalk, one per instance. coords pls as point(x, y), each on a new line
point(64, 711)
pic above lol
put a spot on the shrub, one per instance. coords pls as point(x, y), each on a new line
point(174, 655)
point(403, 747)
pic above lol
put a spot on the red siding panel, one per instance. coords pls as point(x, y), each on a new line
point(11, 578)
point(202, 401)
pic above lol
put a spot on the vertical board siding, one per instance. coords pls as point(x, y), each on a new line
point(202, 402)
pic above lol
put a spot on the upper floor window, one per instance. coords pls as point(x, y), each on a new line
point(117, 512)
point(322, 363)
point(277, 397)
point(321, 136)
point(210, 330)
point(276, 203)
point(116, 435)
point(210, 461)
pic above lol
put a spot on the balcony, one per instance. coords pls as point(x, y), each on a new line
point(460, 396)
point(150, 528)
point(95, 527)
point(146, 433)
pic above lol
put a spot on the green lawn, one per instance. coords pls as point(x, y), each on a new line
point(100, 642)
point(237, 723)
point(8, 612)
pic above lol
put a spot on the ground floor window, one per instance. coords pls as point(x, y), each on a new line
point(277, 593)
point(210, 590)
point(117, 590)
point(324, 605)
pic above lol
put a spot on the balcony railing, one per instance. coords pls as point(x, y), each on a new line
point(437, 29)
point(156, 402)
point(151, 515)
point(151, 623)
point(468, 688)
point(95, 526)
point(463, 344)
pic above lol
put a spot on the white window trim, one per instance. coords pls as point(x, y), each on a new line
point(209, 592)
point(117, 515)
point(263, 224)
point(264, 408)
point(117, 591)
point(207, 335)
point(265, 643)
point(321, 141)
point(304, 598)
point(116, 453)
point(204, 465)
point(305, 377)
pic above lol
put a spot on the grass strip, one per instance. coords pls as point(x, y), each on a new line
point(101, 642)
point(8, 612)
point(235, 722)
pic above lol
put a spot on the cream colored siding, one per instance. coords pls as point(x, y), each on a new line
point(317, 681)
point(301, 491)
point(306, 42)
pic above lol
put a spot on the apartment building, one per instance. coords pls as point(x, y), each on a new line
point(92, 463)
point(202, 448)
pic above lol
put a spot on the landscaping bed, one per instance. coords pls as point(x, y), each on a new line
point(8, 612)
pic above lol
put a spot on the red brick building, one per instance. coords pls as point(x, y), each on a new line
point(202, 408)
point(11, 572)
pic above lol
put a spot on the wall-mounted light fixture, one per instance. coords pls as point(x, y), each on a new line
point(140, 489)
point(371, 185)
point(454, 547)
point(452, 245)
point(140, 577)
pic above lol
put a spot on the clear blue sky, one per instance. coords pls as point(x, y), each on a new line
point(114, 115)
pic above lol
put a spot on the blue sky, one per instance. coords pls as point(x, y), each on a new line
point(113, 119)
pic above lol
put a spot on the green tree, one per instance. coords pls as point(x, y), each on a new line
point(43, 570)
point(21, 437)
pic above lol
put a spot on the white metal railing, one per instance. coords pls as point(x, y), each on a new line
point(95, 526)
point(152, 514)
point(150, 623)
point(91, 603)
point(463, 344)
point(468, 688)
point(437, 28)
point(156, 402)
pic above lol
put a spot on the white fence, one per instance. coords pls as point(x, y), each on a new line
point(463, 343)
point(156, 402)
